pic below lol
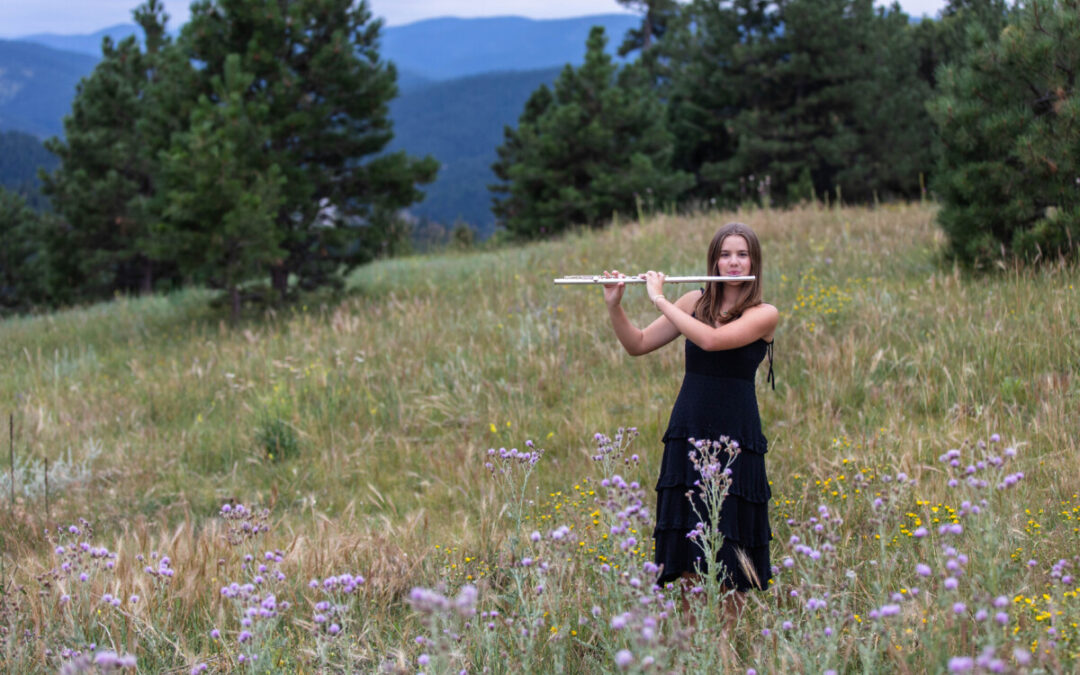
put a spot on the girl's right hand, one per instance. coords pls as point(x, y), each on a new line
point(613, 292)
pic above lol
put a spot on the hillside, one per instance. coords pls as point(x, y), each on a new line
point(460, 80)
point(444, 48)
point(461, 123)
point(89, 43)
point(447, 48)
point(37, 85)
point(363, 425)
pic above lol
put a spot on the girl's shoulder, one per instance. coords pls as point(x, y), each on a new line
point(764, 308)
point(766, 316)
point(689, 299)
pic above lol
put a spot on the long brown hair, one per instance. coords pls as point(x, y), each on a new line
point(708, 305)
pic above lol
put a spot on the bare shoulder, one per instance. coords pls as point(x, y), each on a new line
point(767, 315)
point(688, 300)
point(764, 310)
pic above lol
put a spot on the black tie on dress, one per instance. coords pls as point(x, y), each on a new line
point(771, 379)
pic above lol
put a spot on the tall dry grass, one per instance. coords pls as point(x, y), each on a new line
point(362, 424)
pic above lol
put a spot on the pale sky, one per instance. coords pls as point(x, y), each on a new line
point(26, 17)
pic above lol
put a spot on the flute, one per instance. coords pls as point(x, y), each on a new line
point(607, 281)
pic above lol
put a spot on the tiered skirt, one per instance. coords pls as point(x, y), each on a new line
point(743, 519)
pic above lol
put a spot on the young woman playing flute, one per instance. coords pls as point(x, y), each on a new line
point(729, 331)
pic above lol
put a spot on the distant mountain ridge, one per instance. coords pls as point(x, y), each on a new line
point(460, 80)
point(37, 84)
point(442, 48)
point(460, 122)
point(89, 43)
point(446, 48)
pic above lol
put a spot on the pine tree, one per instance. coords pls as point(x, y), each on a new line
point(122, 116)
point(785, 99)
point(530, 187)
point(23, 269)
point(320, 92)
point(1009, 123)
point(946, 40)
point(714, 54)
point(222, 197)
point(594, 146)
point(657, 15)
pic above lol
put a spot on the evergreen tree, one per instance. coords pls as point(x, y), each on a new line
point(22, 156)
point(122, 116)
point(320, 94)
point(1008, 120)
point(786, 99)
point(528, 186)
point(714, 55)
point(222, 197)
point(946, 40)
point(594, 146)
point(23, 270)
point(656, 17)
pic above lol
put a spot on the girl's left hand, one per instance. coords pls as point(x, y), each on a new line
point(654, 284)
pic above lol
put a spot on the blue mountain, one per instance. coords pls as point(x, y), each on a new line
point(444, 48)
point(37, 84)
point(460, 80)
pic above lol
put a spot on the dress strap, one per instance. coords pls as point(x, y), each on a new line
point(771, 379)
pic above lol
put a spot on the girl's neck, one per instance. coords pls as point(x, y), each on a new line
point(730, 297)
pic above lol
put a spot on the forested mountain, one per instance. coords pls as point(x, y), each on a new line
point(21, 155)
point(460, 123)
point(37, 84)
point(447, 48)
point(450, 105)
point(439, 49)
point(89, 43)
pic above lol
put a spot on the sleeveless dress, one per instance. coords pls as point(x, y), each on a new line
point(717, 399)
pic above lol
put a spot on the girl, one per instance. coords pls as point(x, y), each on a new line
point(729, 331)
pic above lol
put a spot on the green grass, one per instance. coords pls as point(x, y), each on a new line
point(388, 400)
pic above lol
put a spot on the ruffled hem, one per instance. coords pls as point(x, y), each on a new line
point(749, 441)
point(675, 555)
point(740, 520)
point(749, 479)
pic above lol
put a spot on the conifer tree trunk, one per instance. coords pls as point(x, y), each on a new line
point(234, 302)
point(279, 279)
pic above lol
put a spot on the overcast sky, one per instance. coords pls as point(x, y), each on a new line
point(26, 17)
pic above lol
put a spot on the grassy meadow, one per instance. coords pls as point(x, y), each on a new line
point(312, 490)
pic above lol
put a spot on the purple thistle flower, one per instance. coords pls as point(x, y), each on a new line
point(623, 659)
point(961, 664)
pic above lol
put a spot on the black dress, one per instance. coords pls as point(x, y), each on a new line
point(717, 399)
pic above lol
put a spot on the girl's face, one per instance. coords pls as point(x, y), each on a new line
point(734, 257)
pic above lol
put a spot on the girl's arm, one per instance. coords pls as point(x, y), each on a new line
point(756, 323)
point(657, 334)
